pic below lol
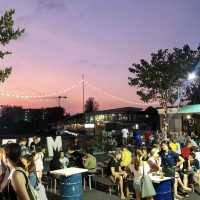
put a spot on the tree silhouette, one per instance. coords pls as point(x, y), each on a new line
point(91, 105)
point(159, 79)
point(7, 33)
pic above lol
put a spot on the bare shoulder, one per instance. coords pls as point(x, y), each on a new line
point(18, 176)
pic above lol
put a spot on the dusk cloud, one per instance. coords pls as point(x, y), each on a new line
point(55, 5)
point(100, 38)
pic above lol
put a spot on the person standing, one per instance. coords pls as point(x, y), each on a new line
point(35, 144)
point(38, 160)
point(29, 165)
point(186, 150)
point(140, 169)
point(17, 184)
point(171, 162)
point(154, 160)
point(24, 148)
point(124, 132)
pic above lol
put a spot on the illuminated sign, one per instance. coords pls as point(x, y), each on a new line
point(89, 125)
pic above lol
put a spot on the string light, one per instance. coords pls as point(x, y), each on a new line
point(45, 96)
point(116, 97)
point(12, 94)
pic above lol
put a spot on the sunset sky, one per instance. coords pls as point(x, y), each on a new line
point(98, 38)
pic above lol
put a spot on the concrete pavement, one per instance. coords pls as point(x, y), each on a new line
point(98, 195)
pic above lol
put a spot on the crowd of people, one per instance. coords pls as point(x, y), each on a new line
point(22, 165)
point(21, 169)
point(172, 158)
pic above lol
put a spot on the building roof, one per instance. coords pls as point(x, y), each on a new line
point(119, 110)
point(189, 109)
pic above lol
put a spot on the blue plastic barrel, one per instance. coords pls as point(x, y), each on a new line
point(163, 190)
point(71, 187)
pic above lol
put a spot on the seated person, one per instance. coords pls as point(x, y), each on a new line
point(193, 169)
point(76, 145)
point(54, 163)
point(126, 157)
point(64, 161)
point(117, 175)
point(89, 162)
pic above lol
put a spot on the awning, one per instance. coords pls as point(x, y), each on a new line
point(190, 109)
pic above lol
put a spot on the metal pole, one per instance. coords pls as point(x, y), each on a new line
point(59, 97)
point(178, 97)
point(83, 84)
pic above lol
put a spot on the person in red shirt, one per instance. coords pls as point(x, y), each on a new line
point(185, 152)
point(147, 136)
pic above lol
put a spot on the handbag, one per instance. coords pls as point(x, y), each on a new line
point(147, 188)
point(41, 191)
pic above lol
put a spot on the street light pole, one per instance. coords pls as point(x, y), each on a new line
point(178, 97)
point(83, 87)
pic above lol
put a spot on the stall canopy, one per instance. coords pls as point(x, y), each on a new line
point(190, 109)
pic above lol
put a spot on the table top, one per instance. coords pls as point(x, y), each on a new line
point(69, 171)
point(157, 179)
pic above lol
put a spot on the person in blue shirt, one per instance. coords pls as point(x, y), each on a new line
point(170, 163)
point(137, 139)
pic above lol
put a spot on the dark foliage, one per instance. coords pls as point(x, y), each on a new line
point(7, 33)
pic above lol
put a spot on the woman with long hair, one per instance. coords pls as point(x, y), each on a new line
point(38, 160)
point(140, 169)
point(29, 164)
point(154, 160)
point(17, 184)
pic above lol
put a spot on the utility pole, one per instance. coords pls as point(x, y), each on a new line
point(58, 98)
point(83, 87)
point(179, 96)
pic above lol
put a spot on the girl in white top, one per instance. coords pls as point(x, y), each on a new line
point(140, 168)
point(39, 166)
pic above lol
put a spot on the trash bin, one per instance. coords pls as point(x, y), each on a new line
point(71, 187)
point(163, 190)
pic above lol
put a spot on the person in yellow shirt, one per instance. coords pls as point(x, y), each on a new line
point(126, 158)
point(174, 145)
point(89, 162)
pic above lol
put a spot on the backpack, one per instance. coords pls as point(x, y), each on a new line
point(33, 195)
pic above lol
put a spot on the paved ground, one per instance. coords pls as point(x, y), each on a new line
point(98, 195)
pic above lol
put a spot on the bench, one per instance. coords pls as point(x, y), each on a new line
point(106, 182)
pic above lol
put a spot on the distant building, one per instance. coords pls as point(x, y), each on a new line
point(16, 120)
point(131, 117)
point(51, 115)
